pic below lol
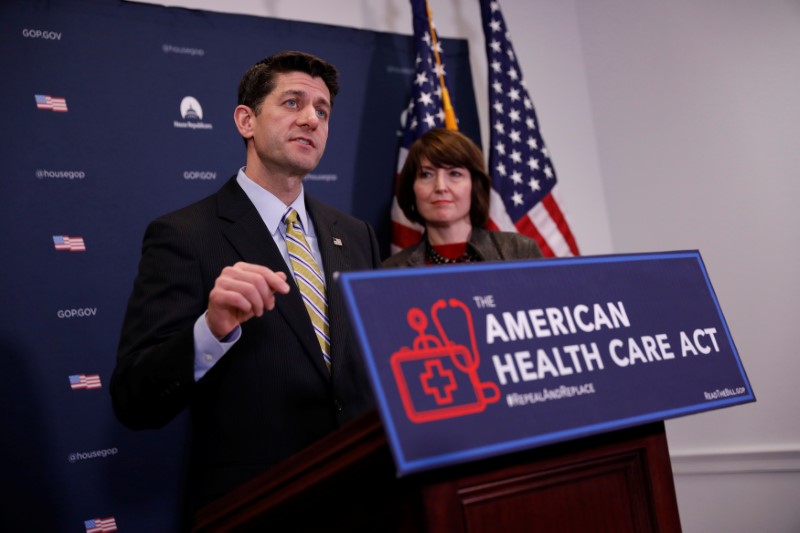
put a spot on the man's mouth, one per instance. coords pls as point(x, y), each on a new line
point(303, 140)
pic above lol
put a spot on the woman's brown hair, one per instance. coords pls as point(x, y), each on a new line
point(445, 148)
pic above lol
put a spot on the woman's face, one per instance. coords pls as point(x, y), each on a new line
point(443, 194)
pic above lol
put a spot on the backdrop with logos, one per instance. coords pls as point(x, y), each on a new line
point(114, 113)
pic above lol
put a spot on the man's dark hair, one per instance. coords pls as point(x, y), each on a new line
point(260, 79)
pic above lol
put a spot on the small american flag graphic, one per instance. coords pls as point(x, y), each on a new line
point(100, 525)
point(85, 381)
point(52, 103)
point(70, 244)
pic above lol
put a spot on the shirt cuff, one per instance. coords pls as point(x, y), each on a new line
point(207, 349)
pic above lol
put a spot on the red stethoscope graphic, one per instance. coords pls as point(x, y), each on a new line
point(437, 378)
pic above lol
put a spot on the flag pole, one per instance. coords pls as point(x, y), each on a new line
point(449, 112)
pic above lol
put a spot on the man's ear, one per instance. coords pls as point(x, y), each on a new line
point(243, 117)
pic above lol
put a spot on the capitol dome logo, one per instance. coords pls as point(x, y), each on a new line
point(192, 115)
point(191, 109)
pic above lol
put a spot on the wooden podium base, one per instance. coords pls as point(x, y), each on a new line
point(615, 482)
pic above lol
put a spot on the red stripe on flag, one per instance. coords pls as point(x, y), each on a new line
point(525, 226)
point(557, 215)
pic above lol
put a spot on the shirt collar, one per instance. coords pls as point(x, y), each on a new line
point(270, 208)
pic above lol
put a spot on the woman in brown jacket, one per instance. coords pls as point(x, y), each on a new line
point(444, 187)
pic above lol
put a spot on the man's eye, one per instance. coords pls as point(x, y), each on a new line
point(321, 113)
point(291, 103)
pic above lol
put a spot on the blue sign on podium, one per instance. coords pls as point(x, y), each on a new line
point(473, 361)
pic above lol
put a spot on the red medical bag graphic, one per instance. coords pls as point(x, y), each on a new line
point(438, 378)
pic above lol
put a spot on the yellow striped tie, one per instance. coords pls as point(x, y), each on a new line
point(308, 278)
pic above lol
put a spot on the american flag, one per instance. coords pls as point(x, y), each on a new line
point(524, 195)
point(425, 110)
point(100, 525)
point(85, 381)
point(71, 244)
point(51, 102)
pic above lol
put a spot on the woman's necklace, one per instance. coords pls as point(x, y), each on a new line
point(435, 258)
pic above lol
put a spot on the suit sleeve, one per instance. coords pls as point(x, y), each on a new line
point(153, 378)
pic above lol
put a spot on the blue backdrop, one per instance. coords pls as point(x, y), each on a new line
point(124, 151)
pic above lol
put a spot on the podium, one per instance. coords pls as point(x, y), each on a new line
point(513, 396)
point(617, 482)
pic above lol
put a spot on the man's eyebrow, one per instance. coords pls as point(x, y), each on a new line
point(297, 93)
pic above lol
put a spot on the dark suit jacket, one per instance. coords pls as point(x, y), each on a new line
point(271, 394)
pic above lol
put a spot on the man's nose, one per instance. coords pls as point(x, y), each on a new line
point(308, 117)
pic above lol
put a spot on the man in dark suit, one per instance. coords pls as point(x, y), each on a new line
point(216, 321)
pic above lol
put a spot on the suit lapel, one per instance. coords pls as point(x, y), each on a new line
point(248, 234)
point(332, 245)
